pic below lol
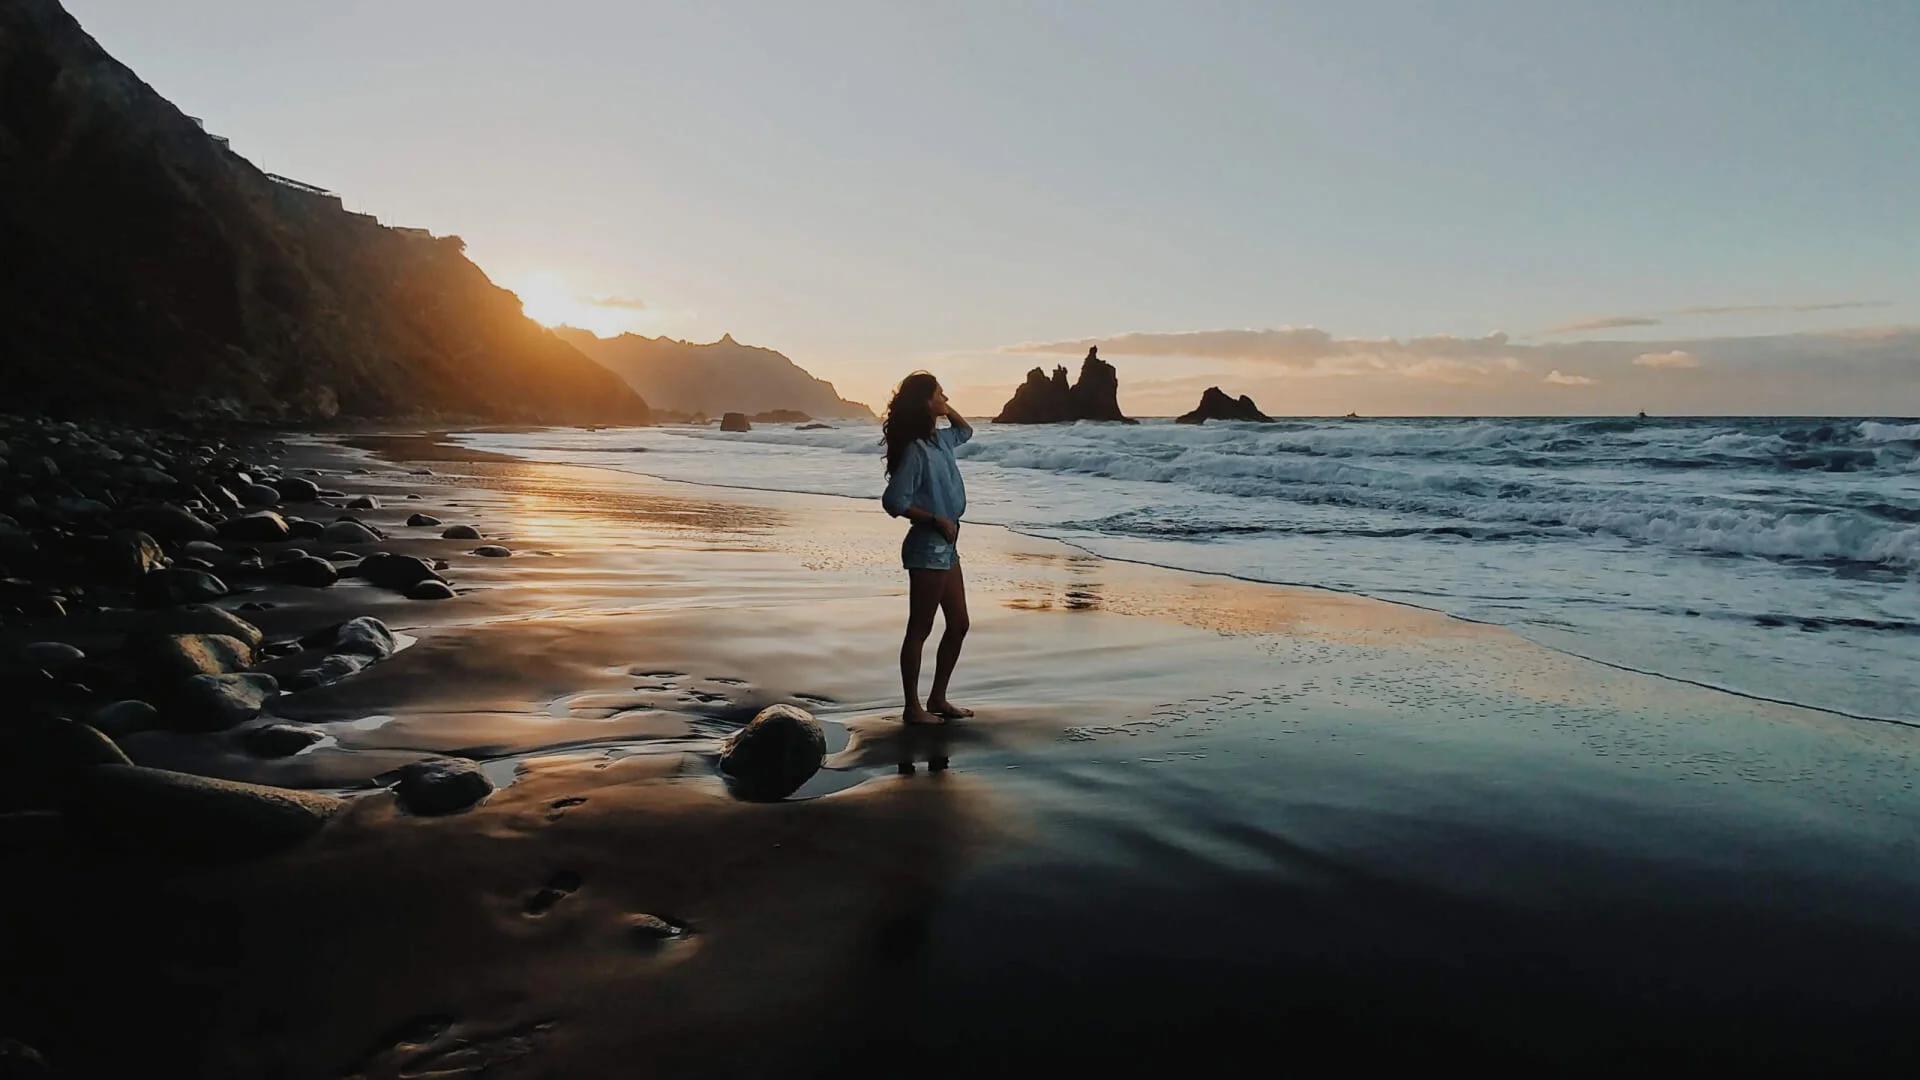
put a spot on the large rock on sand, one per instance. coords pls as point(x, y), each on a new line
point(441, 786)
point(776, 752)
point(396, 572)
point(217, 702)
point(177, 656)
point(155, 812)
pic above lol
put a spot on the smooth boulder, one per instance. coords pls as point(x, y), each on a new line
point(349, 531)
point(396, 572)
point(421, 521)
point(159, 813)
point(278, 740)
point(260, 495)
point(179, 656)
point(179, 585)
point(204, 619)
point(259, 527)
point(364, 636)
point(441, 786)
point(217, 702)
point(461, 532)
point(430, 590)
point(492, 551)
point(169, 523)
point(296, 489)
point(127, 556)
point(779, 750)
point(308, 570)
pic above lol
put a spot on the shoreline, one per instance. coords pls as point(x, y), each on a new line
point(1366, 766)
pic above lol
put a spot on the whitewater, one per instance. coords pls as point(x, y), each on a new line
point(1776, 557)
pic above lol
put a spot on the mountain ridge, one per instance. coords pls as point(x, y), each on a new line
point(160, 273)
point(713, 378)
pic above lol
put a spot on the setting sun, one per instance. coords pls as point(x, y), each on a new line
point(548, 299)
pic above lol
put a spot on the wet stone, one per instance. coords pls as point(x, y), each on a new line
point(421, 521)
point(278, 740)
point(347, 531)
point(164, 588)
point(461, 532)
point(441, 786)
point(397, 572)
point(430, 590)
point(261, 526)
point(218, 702)
point(779, 750)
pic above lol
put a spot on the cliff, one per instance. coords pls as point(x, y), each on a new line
point(1043, 400)
point(1216, 405)
point(718, 377)
point(152, 271)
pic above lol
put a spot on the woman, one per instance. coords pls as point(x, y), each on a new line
point(923, 486)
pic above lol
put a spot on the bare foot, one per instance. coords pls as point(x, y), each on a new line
point(948, 709)
point(914, 714)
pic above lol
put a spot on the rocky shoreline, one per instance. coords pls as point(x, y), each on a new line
point(129, 559)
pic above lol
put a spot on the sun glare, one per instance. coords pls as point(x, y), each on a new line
point(548, 299)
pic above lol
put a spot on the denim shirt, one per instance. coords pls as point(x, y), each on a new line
point(929, 477)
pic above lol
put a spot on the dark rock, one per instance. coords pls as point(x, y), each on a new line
point(363, 502)
point(492, 551)
point(127, 556)
point(308, 570)
point(1216, 405)
point(421, 521)
point(278, 740)
point(123, 718)
point(18, 1061)
point(53, 657)
point(779, 750)
point(217, 702)
point(814, 427)
point(1043, 400)
point(396, 572)
point(42, 758)
point(302, 529)
point(17, 542)
point(176, 815)
point(461, 532)
point(365, 636)
point(441, 786)
point(346, 531)
point(259, 527)
point(259, 495)
point(176, 585)
point(430, 590)
point(170, 657)
point(649, 932)
point(734, 421)
point(329, 670)
point(203, 549)
point(296, 489)
point(204, 619)
point(168, 523)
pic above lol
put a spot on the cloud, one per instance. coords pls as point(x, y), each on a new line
point(1602, 322)
point(1558, 379)
point(628, 303)
point(1678, 358)
point(1772, 309)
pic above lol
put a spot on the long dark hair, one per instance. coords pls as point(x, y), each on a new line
point(909, 416)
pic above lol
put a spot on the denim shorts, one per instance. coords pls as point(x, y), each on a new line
point(925, 549)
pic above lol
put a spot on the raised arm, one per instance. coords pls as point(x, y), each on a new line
point(961, 431)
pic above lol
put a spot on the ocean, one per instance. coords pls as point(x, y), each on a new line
point(1772, 557)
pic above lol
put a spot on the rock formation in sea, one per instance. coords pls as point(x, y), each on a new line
point(1216, 405)
point(700, 381)
point(153, 271)
point(735, 421)
point(1095, 395)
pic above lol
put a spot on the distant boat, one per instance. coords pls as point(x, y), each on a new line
point(1352, 416)
point(1643, 414)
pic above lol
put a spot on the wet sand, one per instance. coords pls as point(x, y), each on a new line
point(1195, 821)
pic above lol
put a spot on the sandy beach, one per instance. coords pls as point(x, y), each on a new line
point(1192, 814)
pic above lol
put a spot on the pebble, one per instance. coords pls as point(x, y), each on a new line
point(441, 786)
point(492, 551)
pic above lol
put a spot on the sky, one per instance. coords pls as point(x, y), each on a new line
point(1501, 206)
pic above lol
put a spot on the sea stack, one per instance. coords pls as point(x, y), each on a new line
point(1216, 405)
point(1042, 400)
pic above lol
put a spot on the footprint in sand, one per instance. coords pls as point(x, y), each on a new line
point(558, 808)
point(558, 888)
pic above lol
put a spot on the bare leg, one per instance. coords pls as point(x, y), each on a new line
point(924, 590)
point(953, 603)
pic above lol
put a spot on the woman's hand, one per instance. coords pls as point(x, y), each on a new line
point(947, 528)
